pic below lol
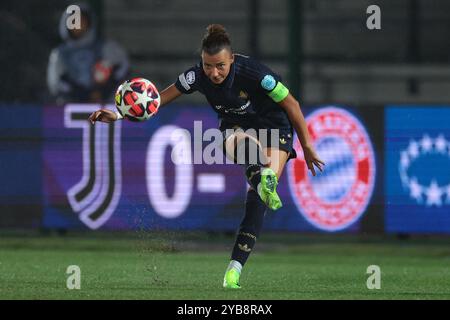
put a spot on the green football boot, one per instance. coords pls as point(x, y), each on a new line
point(267, 189)
point(231, 279)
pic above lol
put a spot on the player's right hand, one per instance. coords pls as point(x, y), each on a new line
point(103, 115)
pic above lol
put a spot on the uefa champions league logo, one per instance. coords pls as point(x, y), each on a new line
point(426, 193)
point(336, 198)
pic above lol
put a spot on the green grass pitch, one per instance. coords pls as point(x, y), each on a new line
point(167, 266)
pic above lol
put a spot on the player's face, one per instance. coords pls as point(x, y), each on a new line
point(217, 66)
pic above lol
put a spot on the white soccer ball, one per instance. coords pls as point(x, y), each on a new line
point(137, 99)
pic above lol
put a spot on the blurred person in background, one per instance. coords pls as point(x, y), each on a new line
point(85, 67)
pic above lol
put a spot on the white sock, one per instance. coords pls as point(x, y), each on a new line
point(235, 265)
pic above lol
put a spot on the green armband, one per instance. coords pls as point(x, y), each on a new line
point(279, 92)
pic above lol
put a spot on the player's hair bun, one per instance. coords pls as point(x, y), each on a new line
point(215, 29)
point(215, 39)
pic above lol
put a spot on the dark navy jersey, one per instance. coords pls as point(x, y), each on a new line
point(244, 98)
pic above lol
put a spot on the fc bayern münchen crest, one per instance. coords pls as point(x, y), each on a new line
point(336, 198)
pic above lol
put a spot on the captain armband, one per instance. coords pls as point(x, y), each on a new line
point(279, 92)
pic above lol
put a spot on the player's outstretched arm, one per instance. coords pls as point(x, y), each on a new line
point(104, 115)
point(169, 94)
point(292, 108)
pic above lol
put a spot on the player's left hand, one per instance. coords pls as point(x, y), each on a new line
point(312, 159)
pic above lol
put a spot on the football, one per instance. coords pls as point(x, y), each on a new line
point(137, 99)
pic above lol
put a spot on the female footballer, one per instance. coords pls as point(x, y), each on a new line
point(246, 95)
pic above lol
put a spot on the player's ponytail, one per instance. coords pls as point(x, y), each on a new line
point(215, 39)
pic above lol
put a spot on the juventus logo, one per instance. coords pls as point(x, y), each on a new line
point(96, 195)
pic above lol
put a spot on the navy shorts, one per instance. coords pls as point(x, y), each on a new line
point(285, 136)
